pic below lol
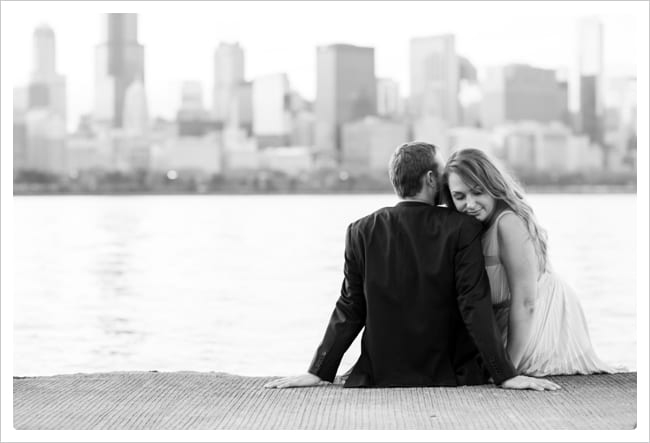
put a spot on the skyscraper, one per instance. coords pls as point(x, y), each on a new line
point(389, 102)
point(47, 89)
point(19, 128)
point(435, 78)
point(271, 112)
point(591, 87)
point(228, 76)
point(521, 92)
point(192, 96)
point(136, 114)
point(41, 127)
point(345, 92)
point(119, 61)
point(192, 118)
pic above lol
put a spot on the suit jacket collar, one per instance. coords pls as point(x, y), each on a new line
point(413, 203)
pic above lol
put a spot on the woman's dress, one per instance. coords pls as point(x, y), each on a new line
point(559, 339)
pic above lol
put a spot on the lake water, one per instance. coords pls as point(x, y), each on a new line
point(246, 284)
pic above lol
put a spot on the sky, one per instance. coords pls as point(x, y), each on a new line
point(180, 38)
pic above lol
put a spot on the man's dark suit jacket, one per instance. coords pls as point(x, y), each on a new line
point(415, 278)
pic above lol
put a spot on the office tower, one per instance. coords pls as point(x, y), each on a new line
point(389, 102)
point(469, 94)
point(345, 92)
point(619, 124)
point(46, 89)
point(245, 107)
point(19, 128)
point(516, 92)
point(192, 117)
point(192, 96)
point(303, 121)
point(590, 68)
point(119, 61)
point(44, 52)
point(41, 127)
point(271, 112)
point(135, 115)
point(562, 77)
point(228, 75)
point(435, 78)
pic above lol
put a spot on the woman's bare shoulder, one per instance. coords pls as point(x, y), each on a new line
point(511, 226)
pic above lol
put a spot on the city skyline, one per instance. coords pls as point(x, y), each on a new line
point(292, 49)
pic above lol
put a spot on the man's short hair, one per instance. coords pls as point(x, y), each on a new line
point(409, 163)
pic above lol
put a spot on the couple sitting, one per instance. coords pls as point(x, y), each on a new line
point(456, 295)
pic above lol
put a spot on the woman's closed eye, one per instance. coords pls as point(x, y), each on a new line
point(476, 191)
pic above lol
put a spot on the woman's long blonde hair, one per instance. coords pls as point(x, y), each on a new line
point(475, 168)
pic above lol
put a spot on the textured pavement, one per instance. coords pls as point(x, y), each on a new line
point(193, 400)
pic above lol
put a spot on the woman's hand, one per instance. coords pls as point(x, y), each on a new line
point(295, 381)
point(524, 382)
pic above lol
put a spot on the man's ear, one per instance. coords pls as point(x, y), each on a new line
point(431, 180)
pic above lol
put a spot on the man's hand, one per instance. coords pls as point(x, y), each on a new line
point(523, 382)
point(295, 381)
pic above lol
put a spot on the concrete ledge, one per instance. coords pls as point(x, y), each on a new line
point(192, 400)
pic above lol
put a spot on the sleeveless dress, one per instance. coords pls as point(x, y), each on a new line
point(559, 339)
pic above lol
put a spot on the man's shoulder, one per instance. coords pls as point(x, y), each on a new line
point(460, 217)
point(442, 214)
point(370, 218)
point(459, 221)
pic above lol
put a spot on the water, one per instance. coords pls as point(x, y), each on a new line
point(246, 284)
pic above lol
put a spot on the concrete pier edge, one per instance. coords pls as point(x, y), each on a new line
point(214, 400)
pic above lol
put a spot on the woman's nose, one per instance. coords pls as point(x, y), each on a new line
point(469, 202)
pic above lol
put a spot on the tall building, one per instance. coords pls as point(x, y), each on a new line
point(192, 117)
point(389, 102)
point(245, 107)
point(136, 114)
point(40, 110)
point(303, 121)
point(620, 122)
point(590, 80)
point(435, 77)
point(46, 89)
point(517, 92)
point(562, 77)
point(119, 61)
point(228, 76)
point(469, 94)
point(345, 92)
point(19, 128)
point(271, 110)
point(192, 96)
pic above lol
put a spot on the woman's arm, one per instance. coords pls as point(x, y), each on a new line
point(519, 260)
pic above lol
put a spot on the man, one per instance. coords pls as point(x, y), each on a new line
point(415, 279)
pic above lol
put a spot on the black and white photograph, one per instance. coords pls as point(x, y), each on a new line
point(325, 220)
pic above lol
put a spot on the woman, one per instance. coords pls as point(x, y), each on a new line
point(542, 323)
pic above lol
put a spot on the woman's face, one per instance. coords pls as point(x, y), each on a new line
point(475, 201)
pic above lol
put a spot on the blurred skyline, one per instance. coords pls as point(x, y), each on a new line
point(282, 37)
